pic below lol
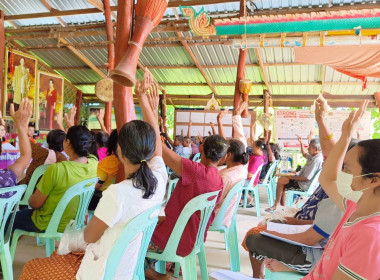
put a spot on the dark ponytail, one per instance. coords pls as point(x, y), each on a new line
point(81, 140)
point(215, 147)
point(369, 157)
point(137, 141)
point(236, 148)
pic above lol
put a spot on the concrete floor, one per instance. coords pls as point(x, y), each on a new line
point(217, 257)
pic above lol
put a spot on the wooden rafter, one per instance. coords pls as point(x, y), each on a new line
point(265, 77)
point(83, 58)
point(323, 78)
point(99, 4)
point(193, 57)
point(50, 8)
point(55, 13)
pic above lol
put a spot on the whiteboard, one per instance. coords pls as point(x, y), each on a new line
point(289, 123)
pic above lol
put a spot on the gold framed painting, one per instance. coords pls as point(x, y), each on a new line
point(50, 92)
point(20, 81)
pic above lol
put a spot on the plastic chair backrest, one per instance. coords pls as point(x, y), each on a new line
point(204, 203)
point(270, 172)
point(37, 174)
point(314, 182)
point(144, 223)
point(197, 156)
point(9, 206)
point(237, 189)
point(84, 190)
point(254, 176)
point(171, 187)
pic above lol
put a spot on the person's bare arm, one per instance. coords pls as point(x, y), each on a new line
point(70, 119)
point(171, 142)
point(303, 149)
point(298, 178)
point(94, 230)
point(253, 132)
point(2, 122)
point(37, 199)
point(21, 119)
point(189, 129)
point(334, 162)
point(100, 117)
point(340, 275)
point(213, 128)
point(271, 157)
point(326, 138)
point(148, 105)
point(60, 121)
point(295, 221)
point(219, 118)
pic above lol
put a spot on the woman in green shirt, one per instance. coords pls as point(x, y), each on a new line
point(57, 179)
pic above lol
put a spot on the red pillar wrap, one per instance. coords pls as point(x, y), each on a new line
point(78, 104)
point(123, 97)
point(111, 60)
point(377, 98)
point(2, 53)
point(266, 109)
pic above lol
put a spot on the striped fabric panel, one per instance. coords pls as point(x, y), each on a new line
point(350, 273)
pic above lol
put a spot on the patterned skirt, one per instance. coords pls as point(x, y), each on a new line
point(57, 267)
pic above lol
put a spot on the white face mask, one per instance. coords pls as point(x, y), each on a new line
point(344, 182)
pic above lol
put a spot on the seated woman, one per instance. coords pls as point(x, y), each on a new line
point(107, 170)
point(353, 251)
point(42, 156)
point(144, 187)
point(236, 159)
point(101, 141)
point(58, 178)
point(14, 172)
point(195, 179)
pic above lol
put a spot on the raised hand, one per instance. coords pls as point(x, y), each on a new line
point(310, 136)
point(199, 137)
point(100, 115)
point(22, 116)
point(222, 114)
point(299, 138)
point(239, 110)
point(154, 98)
point(351, 124)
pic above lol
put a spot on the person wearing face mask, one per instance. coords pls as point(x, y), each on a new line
point(353, 251)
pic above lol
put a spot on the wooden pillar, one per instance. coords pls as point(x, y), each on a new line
point(240, 69)
point(163, 105)
point(111, 60)
point(78, 104)
point(266, 109)
point(122, 96)
point(377, 98)
point(2, 53)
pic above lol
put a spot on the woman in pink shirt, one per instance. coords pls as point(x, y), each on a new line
point(353, 251)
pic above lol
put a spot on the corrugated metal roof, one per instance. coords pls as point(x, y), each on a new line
point(228, 75)
point(178, 75)
point(60, 58)
point(199, 90)
point(296, 90)
point(256, 90)
point(277, 55)
point(81, 76)
point(294, 73)
point(165, 56)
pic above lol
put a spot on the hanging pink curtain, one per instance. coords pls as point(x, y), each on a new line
point(358, 62)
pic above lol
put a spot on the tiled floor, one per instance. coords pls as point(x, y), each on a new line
point(217, 257)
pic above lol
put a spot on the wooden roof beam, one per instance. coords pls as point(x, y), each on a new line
point(50, 8)
point(193, 57)
point(100, 5)
point(265, 77)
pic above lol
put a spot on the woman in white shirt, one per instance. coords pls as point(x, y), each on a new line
point(144, 187)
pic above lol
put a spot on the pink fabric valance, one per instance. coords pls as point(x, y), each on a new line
point(358, 62)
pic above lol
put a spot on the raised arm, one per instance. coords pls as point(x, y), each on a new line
point(21, 119)
point(60, 121)
point(171, 142)
point(70, 119)
point(237, 124)
point(149, 109)
point(253, 132)
point(302, 146)
point(100, 117)
point(213, 128)
point(271, 157)
point(189, 129)
point(334, 162)
point(326, 138)
point(219, 118)
point(2, 122)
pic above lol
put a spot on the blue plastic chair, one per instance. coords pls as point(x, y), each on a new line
point(313, 185)
point(8, 207)
point(230, 233)
point(84, 190)
point(171, 187)
point(254, 190)
point(37, 174)
point(282, 275)
point(197, 157)
point(268, 182)
point(205, 204)
point(144, 223)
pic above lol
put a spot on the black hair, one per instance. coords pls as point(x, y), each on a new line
point(370, 157)
point(55, 140)
point(102, 139)
point(93, 150)
point(32, 125)
point(275, 152)
point(137, 141)
point(51, 80)
point(187, 139)
point(112, 143)
point(237, 149)
point(215, 147)
point(80, 139)
point(261, 144)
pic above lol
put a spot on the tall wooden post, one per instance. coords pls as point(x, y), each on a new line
point(78, 104)
point(111, 60)
point(240, 69)
point(266, 109)
point(2, 53)
point(122, 96)
point(163, 105)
